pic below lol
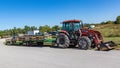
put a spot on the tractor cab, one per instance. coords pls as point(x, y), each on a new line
point(72, 25)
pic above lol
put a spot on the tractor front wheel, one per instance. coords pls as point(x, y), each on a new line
point(63, 40)
point(84, 43)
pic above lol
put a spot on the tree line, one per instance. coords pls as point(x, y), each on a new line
point(16, 31)
point(117, 21)
point(45, 28)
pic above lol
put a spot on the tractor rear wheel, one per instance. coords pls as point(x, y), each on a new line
point(63, 40)
point(84, 43)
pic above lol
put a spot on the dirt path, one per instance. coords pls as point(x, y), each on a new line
point(46, 57)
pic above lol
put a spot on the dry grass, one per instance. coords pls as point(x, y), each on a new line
point(115, 39)
point(109, 30)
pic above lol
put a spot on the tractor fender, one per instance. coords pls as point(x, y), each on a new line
point(65, 32)
point(95, 36)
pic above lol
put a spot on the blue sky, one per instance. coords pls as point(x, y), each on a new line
point(18, 13)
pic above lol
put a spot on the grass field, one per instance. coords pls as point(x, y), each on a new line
point(109, 30)
point(115, 39)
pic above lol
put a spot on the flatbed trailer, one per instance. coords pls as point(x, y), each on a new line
point(32, 40)
point(49, 42)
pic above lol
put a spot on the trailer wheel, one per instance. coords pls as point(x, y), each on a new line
point(84, 43)
point(6, 43)
point(63, 41)
point(29, 43)
point(40, 43)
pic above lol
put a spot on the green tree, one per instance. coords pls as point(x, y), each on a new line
point(45, 28)
point(26, 29)
point(109, 22)
point(21, 31)
point(55, 28)
point(103, 22)
point(117, 20)
point(14, 31)
point(33, 28)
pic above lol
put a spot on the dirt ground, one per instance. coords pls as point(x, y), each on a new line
point(46, 57)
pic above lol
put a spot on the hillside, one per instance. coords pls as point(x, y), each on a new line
point(109, 30)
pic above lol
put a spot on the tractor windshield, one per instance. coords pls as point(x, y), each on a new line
point(71, 26)
point(76, 26)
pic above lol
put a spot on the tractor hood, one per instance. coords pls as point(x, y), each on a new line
point(63, 31)
point(89, 31)
point(92, 33)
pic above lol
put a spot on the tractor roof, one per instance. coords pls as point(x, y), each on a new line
point(71, 21)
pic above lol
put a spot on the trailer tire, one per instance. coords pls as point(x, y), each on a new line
point(40, 43)
point(29, 43)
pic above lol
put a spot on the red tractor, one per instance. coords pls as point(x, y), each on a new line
point(73, 34)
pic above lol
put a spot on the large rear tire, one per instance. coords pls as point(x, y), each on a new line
point(63, 40)
point(84, 43)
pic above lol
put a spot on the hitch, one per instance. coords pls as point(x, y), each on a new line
point(106, 46)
